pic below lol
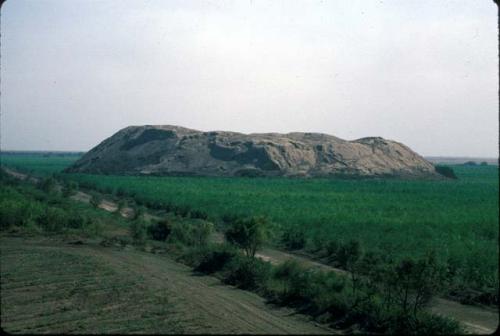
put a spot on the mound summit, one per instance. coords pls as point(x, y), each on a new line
point(173, 150)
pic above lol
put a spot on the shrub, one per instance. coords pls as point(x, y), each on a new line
point(48, 184)
point(294, 238)
point(69, 188)
point(318, 242)
point(53, 219)
point(120, 192)
point(95, 199)
point(190, 232)
point(332, 247)
point(446, 171)
point(429, 324)
point(11, 214)
point(202, 232)
point(295, 281)
point(138, 230)
point(348, 254)
point(160, 230)
point(215, 259)
point(75, 220)
point(198, 214)
point(229, 218)
point(247, 273)
point(247, 234)
point(410, 284)
point(138, 211)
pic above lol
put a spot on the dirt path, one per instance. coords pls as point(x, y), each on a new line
point(203, 304)
point(19, 175)
point(476, 320)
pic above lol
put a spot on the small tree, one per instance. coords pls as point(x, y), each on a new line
point(160, 231)
point(138, 230)
point(138, 211)
point(294, 238)
point(247, 234)
point(48, 184)
point(347, 256)
point(121, 205)
point(413, 283)
point(95, 199)
point(202, 232)
point(70, 188)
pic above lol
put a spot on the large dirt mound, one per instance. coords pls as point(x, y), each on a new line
point(173, 150)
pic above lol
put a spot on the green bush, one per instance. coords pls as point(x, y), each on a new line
point(47, 184)
point(318, 242)
point(160, 230)
point(247, 234)
point(215, 259)
point(11, 213)
point(247, 273)
point(296, 283)
point(348, 254)
point(138, 230)
point(202, 231)
point(332, 247)
point(95, 199)
point(429, 324)
point(76, 220)
point(190, 232)
point(69, 188)
point(53, 220)
point(294, 238)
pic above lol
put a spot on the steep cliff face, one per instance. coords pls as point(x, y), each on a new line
point(173, 150)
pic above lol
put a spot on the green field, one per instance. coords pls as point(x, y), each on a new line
point(41, 165)
point(456, 218)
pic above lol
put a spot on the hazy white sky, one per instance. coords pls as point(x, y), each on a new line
point(424, 73)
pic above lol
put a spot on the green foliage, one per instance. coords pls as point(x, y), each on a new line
point(247, 273)
point(428, 324)
point(17, 211)
point(37, 163)
point(160, 230)
point(446, 171)
point(69, 188)
point(138, 230)
point(27, 209)
point(190, 232)
point(408, 285)
point(247, 234)
point(53, 220)
point(294, 238)
point(95, 199)
point(47, 184)
point(347, 254)
point(215, 259)
point(138, 211)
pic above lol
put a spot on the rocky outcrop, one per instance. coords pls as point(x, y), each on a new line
point(173, 150)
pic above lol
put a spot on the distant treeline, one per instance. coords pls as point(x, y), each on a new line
point(42, 153)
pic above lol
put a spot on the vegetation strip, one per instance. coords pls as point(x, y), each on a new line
point(249, 251)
